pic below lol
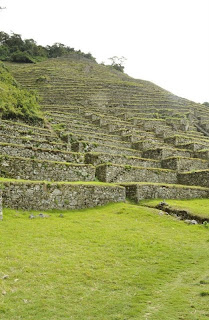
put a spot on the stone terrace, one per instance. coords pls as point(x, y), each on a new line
point(108, 133)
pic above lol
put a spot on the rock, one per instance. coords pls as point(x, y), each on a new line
point(194, 222)
point(41, 215)
point(191, 221)
point(31, 216)
point(5, 276)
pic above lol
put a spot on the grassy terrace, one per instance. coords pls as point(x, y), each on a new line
point(200, 207)
point(121, 261)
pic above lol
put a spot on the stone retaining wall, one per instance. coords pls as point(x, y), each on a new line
point(199, 178)
point(194, 146)
point(42, 196)
point(1, 211)
point(34, 135)
point(29, 169)
point(116, 173)
point(30, 142)
point(41, 154)
point(84, 146)
point(99, 158)
point(13, 126)
point(137, 192)
point(184, 164)
point(162, 153)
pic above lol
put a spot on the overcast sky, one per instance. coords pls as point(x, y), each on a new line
point(164, 41)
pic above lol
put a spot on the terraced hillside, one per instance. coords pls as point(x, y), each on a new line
point(107, 137)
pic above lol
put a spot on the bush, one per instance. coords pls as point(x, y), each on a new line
point(17, 103)
point(22, 57)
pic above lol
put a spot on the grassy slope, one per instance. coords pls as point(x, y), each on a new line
point(89, 74)
point(16, 102)
point(120, 261)
point(199, 207)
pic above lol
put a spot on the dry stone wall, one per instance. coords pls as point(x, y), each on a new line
point(43, 154)
point(198, 178)
point(137, 192)
point(116, 173)
point(184, 164)
point(28, 142)
point(1, 211)
point(28, 169)
point(99, 158)
point(42, 196)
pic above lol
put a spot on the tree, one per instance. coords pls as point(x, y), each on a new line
point(206, 104)
point(118, 63)
point(1, 8)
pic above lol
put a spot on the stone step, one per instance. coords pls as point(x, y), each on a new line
point(100, 158)
point(34, 195)
point(120, 173)
point(184, 164)
point(41, 154)
point(140, 191)
point(33, 169)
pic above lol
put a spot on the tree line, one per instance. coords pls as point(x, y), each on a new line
point(14, 48)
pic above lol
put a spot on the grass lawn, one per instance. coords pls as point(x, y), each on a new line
point(199, 207)
point(120, 261)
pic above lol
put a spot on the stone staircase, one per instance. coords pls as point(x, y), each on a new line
point(108, 137)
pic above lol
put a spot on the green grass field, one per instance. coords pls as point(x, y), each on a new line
point(121, 261)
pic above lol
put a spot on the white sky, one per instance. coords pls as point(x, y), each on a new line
point(164, 41)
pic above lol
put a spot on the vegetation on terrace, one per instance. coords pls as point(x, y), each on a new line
point(16, 102)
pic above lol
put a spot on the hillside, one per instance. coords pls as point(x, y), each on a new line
point(107, 137)
point(15, 102)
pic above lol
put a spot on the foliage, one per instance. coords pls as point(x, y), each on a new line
point(14, 48)
point(206, 104)
point(17, 103)
point(118, 63)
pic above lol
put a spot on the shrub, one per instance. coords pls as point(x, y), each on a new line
point(22, 57)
